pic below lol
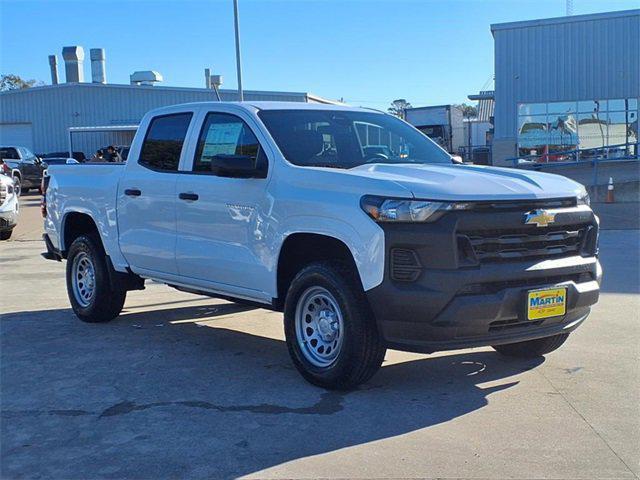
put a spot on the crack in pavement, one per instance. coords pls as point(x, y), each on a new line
point(328, 404)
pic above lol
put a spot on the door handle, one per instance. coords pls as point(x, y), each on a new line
point(132, 192)
point(188, 196)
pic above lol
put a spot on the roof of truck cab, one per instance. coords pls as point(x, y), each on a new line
point(252, 106)
point(301, 106)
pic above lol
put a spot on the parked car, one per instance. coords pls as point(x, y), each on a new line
point(8, 207)
point(362, 252)
point(79, 156)
point(23, 166)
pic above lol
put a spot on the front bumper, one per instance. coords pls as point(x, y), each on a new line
point(453, 303)
point(8, 220)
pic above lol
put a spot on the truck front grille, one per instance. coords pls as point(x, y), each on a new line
point(525, 243)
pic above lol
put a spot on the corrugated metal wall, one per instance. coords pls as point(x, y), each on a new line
point(52, 110)
point(590, 57)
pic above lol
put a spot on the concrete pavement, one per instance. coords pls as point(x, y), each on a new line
point(188, 386)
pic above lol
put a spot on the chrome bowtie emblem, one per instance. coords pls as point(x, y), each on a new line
point(539, 218)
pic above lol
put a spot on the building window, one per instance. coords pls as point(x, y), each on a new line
point(582, 130)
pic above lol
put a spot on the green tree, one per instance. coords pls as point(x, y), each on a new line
point(468, 111)
point(10, 81)
point(398, 107)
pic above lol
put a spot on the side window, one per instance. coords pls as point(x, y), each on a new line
point(9, 153)
point(163, 143)
point(224, 140)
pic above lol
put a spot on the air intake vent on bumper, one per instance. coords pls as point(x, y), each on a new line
point(405, 266)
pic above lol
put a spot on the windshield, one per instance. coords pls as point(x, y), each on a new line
point(344, 139)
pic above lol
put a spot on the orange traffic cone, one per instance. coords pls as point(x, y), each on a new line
point(610, 191)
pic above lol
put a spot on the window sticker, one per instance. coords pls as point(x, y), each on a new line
point(222, 139)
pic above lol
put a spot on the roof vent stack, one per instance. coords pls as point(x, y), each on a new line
point(98, 69)
point(73, 63)
point(146, 77)
point(53, 64)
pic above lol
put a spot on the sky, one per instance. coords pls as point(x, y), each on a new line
point(366, 52)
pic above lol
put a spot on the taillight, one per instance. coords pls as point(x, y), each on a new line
point(4, 168)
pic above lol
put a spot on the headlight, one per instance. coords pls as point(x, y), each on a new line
point(583, 199)
point(405, 210)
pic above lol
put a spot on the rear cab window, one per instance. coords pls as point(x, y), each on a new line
point(9, 153)
point(162, 145)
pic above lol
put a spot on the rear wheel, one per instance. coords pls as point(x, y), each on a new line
point(91, 294)
point(532, 348)
point(6, 234)
point(331, 333)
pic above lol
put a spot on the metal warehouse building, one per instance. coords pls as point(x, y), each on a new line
point(567, 88)
point(39, 118)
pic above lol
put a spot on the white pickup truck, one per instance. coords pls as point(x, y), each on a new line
point(299, 208)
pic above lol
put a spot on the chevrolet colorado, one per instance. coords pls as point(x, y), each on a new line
point(295, 207)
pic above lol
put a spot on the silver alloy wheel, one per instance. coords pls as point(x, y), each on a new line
point(319, 326)
point(83, 279)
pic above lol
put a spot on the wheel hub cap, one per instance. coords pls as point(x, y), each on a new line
point(319, 326)
point(83, 279)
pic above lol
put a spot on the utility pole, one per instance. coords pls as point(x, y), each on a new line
point(569, 8)
point(238, 61)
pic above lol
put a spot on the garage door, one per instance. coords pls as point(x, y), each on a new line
point(18, 134)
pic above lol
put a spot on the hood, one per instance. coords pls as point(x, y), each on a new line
point(471, 182)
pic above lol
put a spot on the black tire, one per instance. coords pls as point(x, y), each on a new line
point(106, 302)
point(362, 351)
point(6, 234)
point(532, 348)
point(25, 190)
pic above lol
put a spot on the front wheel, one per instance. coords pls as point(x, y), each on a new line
point(91, 294)
point(6, 234)
point(532, 348)
point(331, 333)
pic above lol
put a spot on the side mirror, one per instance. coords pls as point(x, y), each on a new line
point(239, 166)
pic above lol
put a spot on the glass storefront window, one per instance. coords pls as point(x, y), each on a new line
point(562, 107)
point(532, 108)
point(617, 105)
point(578, 130)
point(587, 106)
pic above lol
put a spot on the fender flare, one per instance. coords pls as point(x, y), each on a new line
point(366, 247)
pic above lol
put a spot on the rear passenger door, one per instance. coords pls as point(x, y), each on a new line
point(147, 197)
point(222, 228)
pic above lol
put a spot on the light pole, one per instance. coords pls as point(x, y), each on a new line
point(238, 62)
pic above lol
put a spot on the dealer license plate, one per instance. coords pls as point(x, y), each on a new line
point(550, 302)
